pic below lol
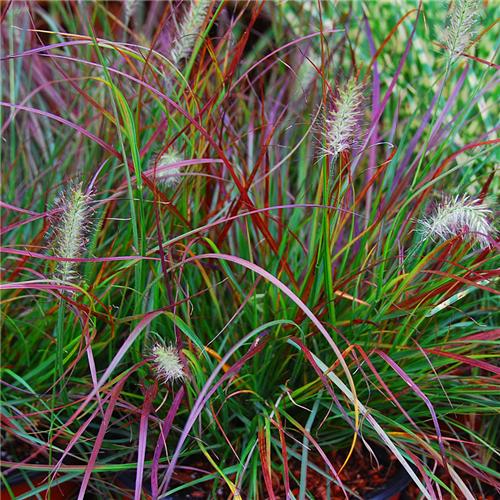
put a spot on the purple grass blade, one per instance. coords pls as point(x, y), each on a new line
point(82, 428)
point(206, 393)
point(165, 430)
point(383, 104)
point(297, 301)
point(425, 121)
point(143, 435)
point(281, 286)
point(114, 363)
point(7, 206)
point(27, 253)
point(115, 393)
point(372, 157)
point(72, 125)
point(421, 395)
point(35, 285)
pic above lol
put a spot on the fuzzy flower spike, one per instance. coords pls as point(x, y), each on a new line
point(460, 27)
point(71, 230)
point(190, 29)
point(460, 216)
point(167, 363)
point(165, 171)
point(342, 123)
point(129, 8)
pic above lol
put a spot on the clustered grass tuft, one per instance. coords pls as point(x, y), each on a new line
point(312, 320)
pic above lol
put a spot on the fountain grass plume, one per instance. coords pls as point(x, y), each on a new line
point(342, 122)
point(165, 174)
point(190, 29)
point(129, 8)
point(459, 216)
point(71, 229)
point(167, 363)
point(459, 31)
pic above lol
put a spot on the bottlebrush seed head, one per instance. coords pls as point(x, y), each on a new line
point(71, 229)
point(129, 8)
point(167, 363)
point(342, 123)
point(190, 29)
point(460, 216)
point(459, 31)
point(165, 174)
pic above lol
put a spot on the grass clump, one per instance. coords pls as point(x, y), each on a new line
point(317, 317)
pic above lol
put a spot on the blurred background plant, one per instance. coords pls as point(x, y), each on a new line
point(312, 320)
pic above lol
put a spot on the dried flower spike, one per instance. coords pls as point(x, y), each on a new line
point(342, 124)
point(71, 229)
point(190, 29)
point(460, 216)
point(165, 170)
point(167, 363)
point(460, 27)
point(129, 8)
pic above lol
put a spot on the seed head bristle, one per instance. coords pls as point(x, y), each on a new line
point(459, 31)
point(460, 216)
point(167, 363)
point(342, 123)
point(129, 8)
point(165, 174)
point(190, 29)
point(71, 229)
